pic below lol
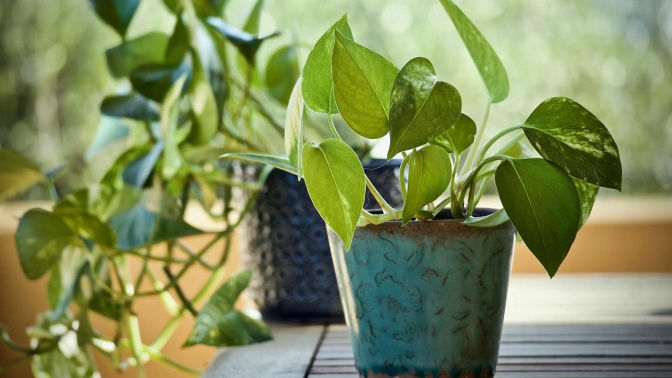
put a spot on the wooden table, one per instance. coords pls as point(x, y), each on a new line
point(572, 326)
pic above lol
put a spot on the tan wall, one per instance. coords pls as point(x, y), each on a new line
point(610, 242)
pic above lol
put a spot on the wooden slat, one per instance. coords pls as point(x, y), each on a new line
point(547, 351)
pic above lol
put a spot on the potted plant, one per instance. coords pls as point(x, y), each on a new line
point(190, 99)
point(424, 287)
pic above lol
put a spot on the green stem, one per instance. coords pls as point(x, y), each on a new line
point(442, 205)
point(477, 140)
point(14, 363)
point(368, 218)
point(467, 183)
point(332, 127)
point(387, 208)
point(168, 301)
point(156, 355)
point(496, 138)
point(180, 294)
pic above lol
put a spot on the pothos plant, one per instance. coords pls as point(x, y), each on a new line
point(445, 160)
point(194, 94)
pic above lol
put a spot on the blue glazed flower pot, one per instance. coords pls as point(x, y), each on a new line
point(426, 299)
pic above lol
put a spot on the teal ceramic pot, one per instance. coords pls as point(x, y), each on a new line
point(427, 299)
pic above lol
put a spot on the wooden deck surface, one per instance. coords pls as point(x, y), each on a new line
point(588, 326)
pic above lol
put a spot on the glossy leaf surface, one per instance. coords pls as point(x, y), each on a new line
point(421, 107)
point(252, 24)
point(116, 13)
point(566, 133)
point(488, 63)
point(542, 202)
point(429, 173)
point(317, 87)
point(40, 239)
point(220, 324)
point(246, 43)
point(130, 55)
point(133, 106)
point(16, 174)
point(587, 195)
point(154, 81)
point(363, 81)
point(336, 185)
point(137, 172)
point(169, 118)
point(282, 72)
point(459, 137)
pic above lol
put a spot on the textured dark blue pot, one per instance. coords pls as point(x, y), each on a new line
point(288, 250)
point(426, 299)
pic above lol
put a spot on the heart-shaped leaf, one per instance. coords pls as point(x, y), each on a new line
point(421, 107)
point(459, 137)
point(429, 173)
point(133, 106)
point(489, 66)
point(40, 239)
point(317, 87)
point(130, 55)
point(178, 45)
point(336, 185)
point(116, 13)
point(542, 202)
point(566, 133)
point(220, 324)
point(363, 81)
point(271, 160)
point(495, 219)
point(137, 172)
point(282, 72)
point(294, 127)
point(587, 195)
point(16, 174)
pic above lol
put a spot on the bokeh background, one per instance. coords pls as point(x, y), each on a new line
point(614, 57)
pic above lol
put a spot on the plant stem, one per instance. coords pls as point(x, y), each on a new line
point(477, 140)
point(332, 127)
point(158, 356)
point(474, 173)
point(14, 363)
point(368, 218)
point(171, 306)
point(387, 208)
point(495, 138)
point(180, 294)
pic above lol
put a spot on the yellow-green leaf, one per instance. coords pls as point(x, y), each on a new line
point(16, 174)
point(429, 173)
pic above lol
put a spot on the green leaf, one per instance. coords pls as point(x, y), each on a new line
point(252, 23)
point(64, 272)
point(116, 13)
point(137, 227)
point(114, 175)
point(421, 107)
point(130, 55)
point(587, 195)
point(429, 173)
point(363, 81)
point(69, 289)
point(542, 202)
point(203, 106)
point(101, 301)
point(566, 133)
point(459, 137)
point(317, 86)
point(137, 172)
point(40, 239)
point(170, 112)
point(489, 66)
point(178, 45)
point(246, 43)
point(154, 81)
point(109, 131)
point(282, 72)
point(88, 227)
point(493, 220)
point(271, 160)
point(16, 174)
point(294, 127)
point(336, 185)
point(133, 106)
point(220, 324)
point(85, 331)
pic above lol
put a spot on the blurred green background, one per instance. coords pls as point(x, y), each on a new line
point(614, 57)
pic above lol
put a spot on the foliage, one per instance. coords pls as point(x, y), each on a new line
point(547, 199)
point(190, 100)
